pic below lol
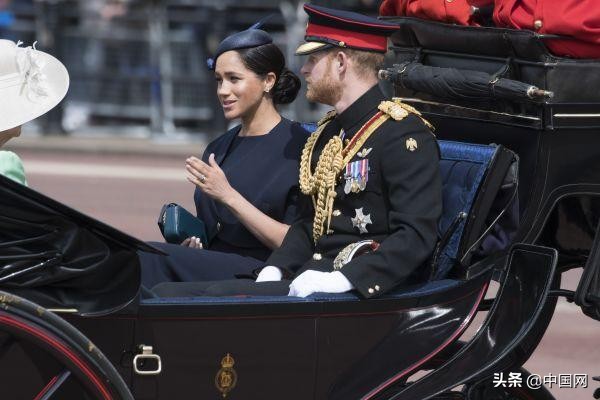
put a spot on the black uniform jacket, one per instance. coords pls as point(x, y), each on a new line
point(403, 198)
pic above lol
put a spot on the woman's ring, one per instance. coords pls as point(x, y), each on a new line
point(202, 178)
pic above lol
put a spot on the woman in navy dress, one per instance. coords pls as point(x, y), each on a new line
point(247, 190)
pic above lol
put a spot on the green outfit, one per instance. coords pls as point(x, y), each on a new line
point(11, 166)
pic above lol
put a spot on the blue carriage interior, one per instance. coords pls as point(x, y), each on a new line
point(472, 175)
point(480, 211)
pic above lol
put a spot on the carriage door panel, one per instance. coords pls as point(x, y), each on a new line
point(212, 356)
point(113, 336)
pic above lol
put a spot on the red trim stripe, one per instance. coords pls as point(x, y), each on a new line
point(61, 347)
point(361, 132)
point(350, 38)
point(448, 341)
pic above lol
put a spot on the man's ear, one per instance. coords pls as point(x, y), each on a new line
point(340, 62)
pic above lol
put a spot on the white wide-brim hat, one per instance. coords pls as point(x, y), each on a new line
point(31, 83)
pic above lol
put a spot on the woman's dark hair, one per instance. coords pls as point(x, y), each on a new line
point(268, 58)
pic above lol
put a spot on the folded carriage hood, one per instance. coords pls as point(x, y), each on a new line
point(58, 257)
point(517, 54)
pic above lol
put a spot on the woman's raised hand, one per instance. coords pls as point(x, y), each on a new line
point(210, 178)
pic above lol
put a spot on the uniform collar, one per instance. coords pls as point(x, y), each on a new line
point(361, 110)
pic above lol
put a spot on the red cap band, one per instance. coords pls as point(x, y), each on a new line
point(350, 38)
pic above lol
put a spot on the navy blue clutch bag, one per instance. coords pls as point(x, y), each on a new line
point(177, 224)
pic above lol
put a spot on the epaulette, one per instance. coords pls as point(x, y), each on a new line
point(398, 110)
point(328, 117)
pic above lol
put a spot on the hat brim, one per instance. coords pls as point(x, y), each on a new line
point(311, 47)
point(16, 108)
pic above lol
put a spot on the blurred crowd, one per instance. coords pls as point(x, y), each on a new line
point(142, 63)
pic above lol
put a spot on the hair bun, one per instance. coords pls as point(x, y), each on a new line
point(287, 87)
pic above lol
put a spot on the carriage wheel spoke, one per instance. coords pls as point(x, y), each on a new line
point(53, 386)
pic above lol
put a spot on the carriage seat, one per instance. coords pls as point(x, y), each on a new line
point(474, 181)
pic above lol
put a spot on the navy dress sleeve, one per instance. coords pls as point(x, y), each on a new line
point(264, 170)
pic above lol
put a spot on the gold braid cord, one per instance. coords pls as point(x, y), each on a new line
point(322, 183)
point(332, 161)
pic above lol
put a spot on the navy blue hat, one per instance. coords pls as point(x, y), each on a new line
point(328, 27)
point(251, 37)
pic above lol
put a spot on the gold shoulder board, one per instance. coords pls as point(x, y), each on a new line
point(411, 110)
point(328, 117)
point(394, 110)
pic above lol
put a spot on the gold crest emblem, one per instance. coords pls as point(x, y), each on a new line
point(226, 377)
point(411, 144)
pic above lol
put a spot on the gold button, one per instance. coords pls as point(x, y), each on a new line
point(341, 44)
point(537, 24)
point(218, 226)
point(449, 1)
point(317, 256)
point(371, 290)
point(377, 287)
point(337, 213)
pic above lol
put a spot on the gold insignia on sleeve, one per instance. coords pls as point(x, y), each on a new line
point(226, 377)
point(411, 144)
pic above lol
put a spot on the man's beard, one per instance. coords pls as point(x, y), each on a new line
point(324, 91)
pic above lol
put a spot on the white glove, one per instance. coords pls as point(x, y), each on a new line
point(268, 274)
point(311, 281)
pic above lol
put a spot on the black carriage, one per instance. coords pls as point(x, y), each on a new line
point(521, 186)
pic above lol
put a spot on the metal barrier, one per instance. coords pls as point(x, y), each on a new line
point(143, 63)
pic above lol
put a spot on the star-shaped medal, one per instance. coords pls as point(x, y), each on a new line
point(361, 220)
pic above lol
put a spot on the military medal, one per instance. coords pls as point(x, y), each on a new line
point(321, 185)
point(361, 220)
point(357, 176)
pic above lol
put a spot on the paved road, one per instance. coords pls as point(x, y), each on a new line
point(128, 192)
point(124, 191)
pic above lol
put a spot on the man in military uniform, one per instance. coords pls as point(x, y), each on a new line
point(371, 168)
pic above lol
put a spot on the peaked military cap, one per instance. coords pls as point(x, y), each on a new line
point(251, 37)
point(327, 28)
